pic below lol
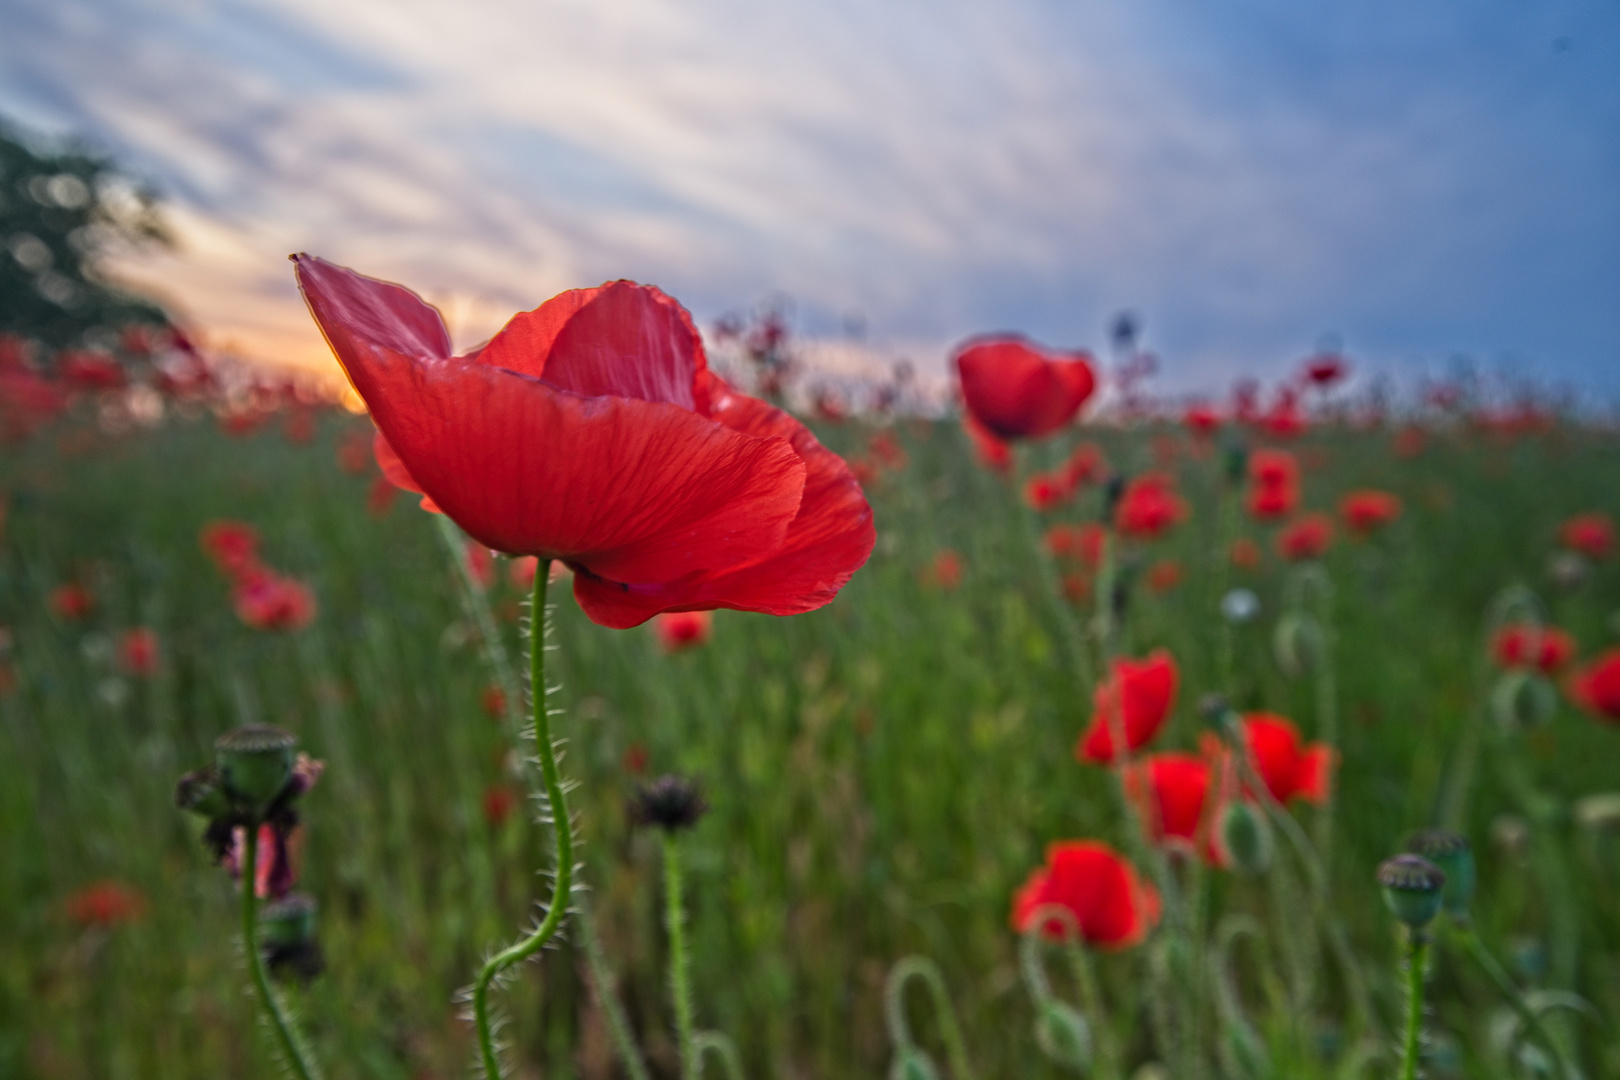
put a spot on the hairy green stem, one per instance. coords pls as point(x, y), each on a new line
point(562, 831)
point(293, 1054)
point(950, 1032)
point(680, 978)
point(1417, 954)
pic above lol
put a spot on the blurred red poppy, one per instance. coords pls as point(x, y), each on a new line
point(1085, 466)
point(1287, 766)
point(105, 903)
point(1083, 543)
point(1044, 492)
point(138, 651)
point(886, 450)
point(1596, 687)
point(1306, 537)
point(1171, 790)
point(945, 572)
point(1545, 647)
point(1409, 442)
point(493, 701)
point(1149, 507)
point(1274, 484)
point(521, 572)
point(1325, 369)
point(1590, 534)
point(1112, 907)
point(1202, 419)
point(1164, 575)
point(1245, 553)
point(590, 430)
point(1016, 389)
point(72, 601)
point(1365, 512)
point(87, 370)
point(1137, 697)
point(265, 600)
point(233, 545)
point(480, 563)
point(678, 630)
point(498, 803)
point(354, 451)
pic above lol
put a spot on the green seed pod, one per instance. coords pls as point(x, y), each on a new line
point(288, 922)
point(1297, 642)
point(254, 764)
point(1413, 888)
point(1522, 700)
point(911, 1063)
point(1452, 854)
point(1245, 838)
point(1599, 813)
point(1063, 1035)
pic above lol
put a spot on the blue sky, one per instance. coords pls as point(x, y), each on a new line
point(1422, 178)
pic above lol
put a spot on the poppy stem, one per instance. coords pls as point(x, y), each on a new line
point(562, 832)
point(1417, 955)
point(680, 975)
point(293, 1053)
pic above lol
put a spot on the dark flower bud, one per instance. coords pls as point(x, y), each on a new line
point(1413, 888)
point(287, 937)
point(201, 793)
point(1522, 700)
point(1213, 707)
point(669, 802)
point(1455, 858)
point(1246, 838)
point(1113, 491)
point(254, 764)
point(1063, 1035)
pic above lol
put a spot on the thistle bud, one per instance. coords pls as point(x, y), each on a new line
point(1298, 644)
point(911, 1063)
point(1063, 1035)
point(1413, 887)
point(1522, 700)
point(669, 802)
point(1245, 838)
point(1455, 858)
point(254, 763)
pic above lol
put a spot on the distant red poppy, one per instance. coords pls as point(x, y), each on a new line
point(138, 651)
point(354, 451)
point(886, 450)
point(1285, 419)
point(1016, 389)
point(87, 370)
point(1083, 543)
point(493, 701)
point(1044, 492)
point(380, 498)
point(1596, 687)
point(679, 630)
point(1287, 766)
point(72, 601)
point(1085, 466)
point(1076, 588)
point(1149, 507)
point(1202, 419)
point(635, 758)
point(1245, 553)
point(1173, 795)
point(105, 903)
point(1365, 512)
point(233, 545)
point(1590, 534)
point(1306, 537)
point(265, 600)
point(1409, 442)
point(480, 563)
point(498, 803)
point(945, 572)
point(28, 400)
point(1546, 647)
point(1325, 369)
point(1273, 484)
point(520, 572)
point(591, 430)
point(1164, 575)
point(1137, 697)
point(1112, 907)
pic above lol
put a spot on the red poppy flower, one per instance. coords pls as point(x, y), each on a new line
point(1202, 420)
point(1149, 507)
point(1076, 588)
point(499, 802)
point(1590, 534)
point(1365, 512)
point(679, 630)
point(521, 572)
point(993, 454)
point(1044, 492)
point(1083, 543)
point(945, 572)
point(1085, 466)
point(1596, 687)
point(28, 400)
point(233, 545)
point(1245, 554)
point(138, 651)
point(1016, 389)
point(1306, 537)
point(89, 370)
point(105, 903)
point(886, 450)
point(1273, 469)
point(635, 758)
point(278, 861)
point(1171, 790)
point(72, 601)
point(1137, 697)
point(1112, 906)
point(1325, 369)
point(1547, 647)
point(1409, 442)
point(1285, 765)
point(1164, 575)
point(590, 430)
point(493, 701)
point(480, 563)
point(265, 600)
point(1284, 420)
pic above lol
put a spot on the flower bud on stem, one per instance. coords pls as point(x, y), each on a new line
point(293, 1053)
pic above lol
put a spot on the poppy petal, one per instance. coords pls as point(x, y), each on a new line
point(395, 472)
point(381, 313)
point(1014, 389)
point(1315, 778)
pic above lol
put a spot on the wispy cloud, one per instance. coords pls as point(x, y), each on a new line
point(1419, 177)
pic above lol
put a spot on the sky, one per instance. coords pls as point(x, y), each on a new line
point(1423, 179)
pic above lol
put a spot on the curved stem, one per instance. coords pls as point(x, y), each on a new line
point(291, 1052)
point(1416, 955)
point(562, 831)
point(950, 1032)
point(1493, 970)
point(680, 979)
point(624, 1039)
point(717, 1045)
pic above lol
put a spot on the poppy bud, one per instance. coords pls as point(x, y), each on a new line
point(200, 792)
point(1298, 644)
point(287, 937)
point(1523, 699)
point(669, 802)
point(254, 763)
point(1063, 1035)
point(1246, 838)
point(1455, 858)
point(1413, 887)
point(911, 1063)
point(1235, 460)
point(1599, 813)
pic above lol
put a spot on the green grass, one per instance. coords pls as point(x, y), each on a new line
point(883, 773)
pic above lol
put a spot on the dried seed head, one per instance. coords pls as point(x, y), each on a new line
point(254, 764)
point(1452, 854)
point(669, 802)
point(1413, 888)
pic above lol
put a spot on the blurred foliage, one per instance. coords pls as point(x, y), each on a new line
point(63, 211)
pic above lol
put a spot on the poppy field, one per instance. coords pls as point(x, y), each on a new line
point(1274, 736)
